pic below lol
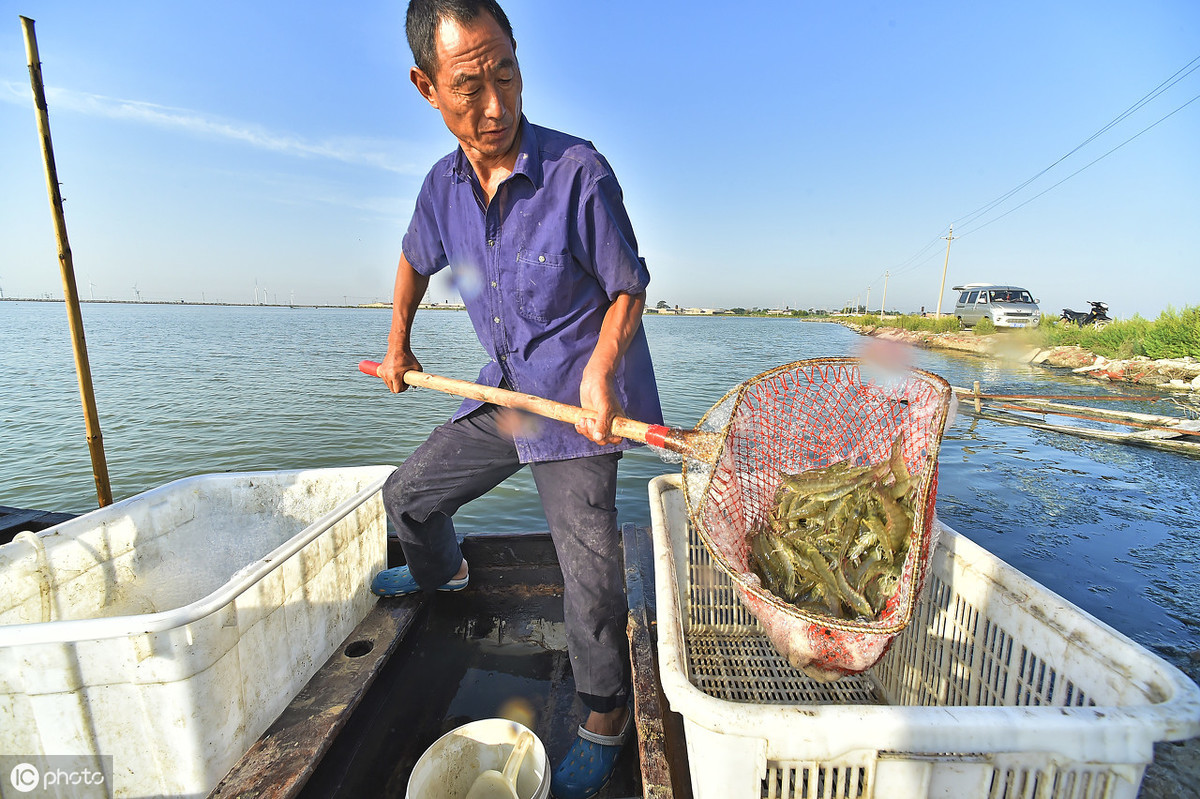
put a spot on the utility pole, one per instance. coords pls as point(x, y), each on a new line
point(883, 307)
point(868, 306)
point(949, 238)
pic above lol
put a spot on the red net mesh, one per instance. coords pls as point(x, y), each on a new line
point(806, 415)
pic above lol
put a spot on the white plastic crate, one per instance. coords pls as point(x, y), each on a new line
point(998, 689)
point(170, 629)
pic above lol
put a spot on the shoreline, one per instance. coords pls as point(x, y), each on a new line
point(1174, 374)
point(433, 306)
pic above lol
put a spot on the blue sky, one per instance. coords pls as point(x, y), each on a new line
point(780, 153)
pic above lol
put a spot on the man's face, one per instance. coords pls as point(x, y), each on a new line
point(477, 88)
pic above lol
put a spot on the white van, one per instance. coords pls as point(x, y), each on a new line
point(1006, 306)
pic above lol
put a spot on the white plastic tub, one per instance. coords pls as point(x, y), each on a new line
point(998, 688)
point(170, 629)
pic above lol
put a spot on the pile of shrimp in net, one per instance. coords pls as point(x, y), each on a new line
point(826, 477)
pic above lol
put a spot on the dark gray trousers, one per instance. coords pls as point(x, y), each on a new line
point(463, 460)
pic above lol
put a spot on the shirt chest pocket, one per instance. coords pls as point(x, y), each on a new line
point(545, 285)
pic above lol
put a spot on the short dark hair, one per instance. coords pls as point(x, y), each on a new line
point(424, 16)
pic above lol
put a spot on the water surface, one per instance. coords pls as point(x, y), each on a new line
point(185, 390)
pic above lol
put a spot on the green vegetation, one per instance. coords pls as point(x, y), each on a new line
point(915, 322)
point(984, 327)
point(1174, 334)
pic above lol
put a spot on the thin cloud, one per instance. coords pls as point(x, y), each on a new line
point(351, 150)
point(299, 190)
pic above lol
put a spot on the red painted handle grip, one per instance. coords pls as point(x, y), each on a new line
point(656, 435)
point(369, 368)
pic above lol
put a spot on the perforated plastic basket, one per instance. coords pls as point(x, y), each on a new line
point(170, 629)
point(998, 688)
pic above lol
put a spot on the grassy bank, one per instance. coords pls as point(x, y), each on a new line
point(1174, 334)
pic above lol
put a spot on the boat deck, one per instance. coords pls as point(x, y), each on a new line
point(418, 667)
point(14, 520)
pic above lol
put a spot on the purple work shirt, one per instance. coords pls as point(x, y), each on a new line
point(537, 268)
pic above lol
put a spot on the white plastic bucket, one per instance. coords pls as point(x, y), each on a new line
point(448, 768)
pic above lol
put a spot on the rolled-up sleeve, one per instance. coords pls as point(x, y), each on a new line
point(607, 243)
point(422, 243)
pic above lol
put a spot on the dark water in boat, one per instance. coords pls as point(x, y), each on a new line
point(186, 390)
point(495, 651)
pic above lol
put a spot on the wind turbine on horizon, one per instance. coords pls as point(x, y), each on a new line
point(137, 294)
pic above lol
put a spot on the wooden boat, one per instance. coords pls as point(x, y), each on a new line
point(417, 667)
point(13, 520)
point(1170, 433)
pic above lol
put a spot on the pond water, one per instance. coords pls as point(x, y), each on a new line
point(185, 390)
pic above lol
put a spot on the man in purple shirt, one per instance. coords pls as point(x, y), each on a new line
point(533, 226)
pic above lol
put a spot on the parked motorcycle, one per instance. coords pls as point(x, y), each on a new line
point(1097, 316)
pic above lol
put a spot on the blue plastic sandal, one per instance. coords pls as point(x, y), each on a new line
point(399, 581)
point(589, 764)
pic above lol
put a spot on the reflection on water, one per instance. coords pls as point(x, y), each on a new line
point(189, 390)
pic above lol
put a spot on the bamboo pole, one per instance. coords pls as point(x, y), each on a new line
point(1137, 439)
point(83, 370)
point(1094, 417)
point(968, 392)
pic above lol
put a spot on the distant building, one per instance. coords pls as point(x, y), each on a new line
point(677, 311)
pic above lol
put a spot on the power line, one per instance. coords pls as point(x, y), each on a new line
point(910, 263)
point(927, 253)
point(1077, 171)
point(1186, 70)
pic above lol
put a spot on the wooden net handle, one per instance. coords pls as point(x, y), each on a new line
point(654, 434)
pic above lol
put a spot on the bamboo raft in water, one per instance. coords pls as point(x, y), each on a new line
point(1170, 433)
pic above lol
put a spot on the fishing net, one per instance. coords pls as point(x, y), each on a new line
point(799, 417)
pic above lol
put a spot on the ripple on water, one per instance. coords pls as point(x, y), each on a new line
point(190, 390)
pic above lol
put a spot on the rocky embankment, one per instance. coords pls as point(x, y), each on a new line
point(1181, 374)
